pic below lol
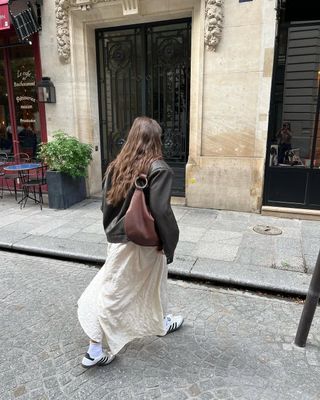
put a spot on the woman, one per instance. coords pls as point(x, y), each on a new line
point(127, 297)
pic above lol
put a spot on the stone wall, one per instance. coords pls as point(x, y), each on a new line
point(230, 91)
point(226, 170)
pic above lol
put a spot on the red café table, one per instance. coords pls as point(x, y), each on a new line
point(21, 169)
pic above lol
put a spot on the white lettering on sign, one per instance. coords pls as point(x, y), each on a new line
point(24, 75)
point(26, 107)
point(24, 98)
point(23, 121)
point(19, 84)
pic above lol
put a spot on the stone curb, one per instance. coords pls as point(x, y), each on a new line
point(251, 277)
point(51, 253)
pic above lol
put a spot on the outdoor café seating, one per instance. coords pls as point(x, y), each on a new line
point(14, 176)
point(33, 184)
point(24, 174)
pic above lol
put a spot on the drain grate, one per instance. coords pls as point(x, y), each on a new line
point(267, 230)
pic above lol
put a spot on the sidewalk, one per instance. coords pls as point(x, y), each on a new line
point(218, 246)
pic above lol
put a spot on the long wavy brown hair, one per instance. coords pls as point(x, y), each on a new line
point(143, 145)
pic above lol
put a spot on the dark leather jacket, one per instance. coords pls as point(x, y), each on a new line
point(158, 195)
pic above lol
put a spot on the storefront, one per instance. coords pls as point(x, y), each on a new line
point(22, 117)
point(292, 177)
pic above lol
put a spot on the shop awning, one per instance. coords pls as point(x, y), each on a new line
point(4, 15)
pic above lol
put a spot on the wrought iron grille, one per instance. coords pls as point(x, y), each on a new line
point(145, 70)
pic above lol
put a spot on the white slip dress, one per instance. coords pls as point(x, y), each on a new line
point(127, 298)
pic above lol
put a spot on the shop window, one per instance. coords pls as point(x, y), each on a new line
point(293, 153)
point(292, 142)
point(26, 105)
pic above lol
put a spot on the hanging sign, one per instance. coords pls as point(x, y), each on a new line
point(4, 15)
point(25, 23)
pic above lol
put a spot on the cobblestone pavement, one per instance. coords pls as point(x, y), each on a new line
point(233, 345)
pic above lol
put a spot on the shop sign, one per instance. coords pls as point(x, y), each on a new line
point(4, 15)
point(23, 77)
point(25, 81)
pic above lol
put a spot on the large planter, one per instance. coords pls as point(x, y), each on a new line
point(64, 190)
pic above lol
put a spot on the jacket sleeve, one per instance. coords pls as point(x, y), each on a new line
point(160, 183)
point(109, 212)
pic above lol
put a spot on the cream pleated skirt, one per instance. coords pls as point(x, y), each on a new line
point(127, 298)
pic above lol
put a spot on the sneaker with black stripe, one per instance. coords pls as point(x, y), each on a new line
point(172, 323)
point(102, 360)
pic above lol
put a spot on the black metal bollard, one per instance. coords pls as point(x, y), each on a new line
point(309, 307)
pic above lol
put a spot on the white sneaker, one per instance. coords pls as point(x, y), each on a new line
point(172, 323)
point(103, 359)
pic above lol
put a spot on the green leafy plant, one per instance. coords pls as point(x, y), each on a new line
point(66, 154)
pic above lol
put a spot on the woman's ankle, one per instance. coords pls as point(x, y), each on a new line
point(95, 349)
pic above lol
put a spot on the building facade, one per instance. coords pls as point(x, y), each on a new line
point(214, 73)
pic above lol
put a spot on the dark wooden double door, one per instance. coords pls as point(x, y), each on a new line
point(145, 70)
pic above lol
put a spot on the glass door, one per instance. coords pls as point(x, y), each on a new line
point(22, 65)
point(293, 148)
point(22, 118)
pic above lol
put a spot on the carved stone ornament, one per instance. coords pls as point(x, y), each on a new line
point(62, 25)
point(63, 8)
point(213, 24)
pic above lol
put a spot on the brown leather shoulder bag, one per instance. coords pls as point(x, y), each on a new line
point(139, 224)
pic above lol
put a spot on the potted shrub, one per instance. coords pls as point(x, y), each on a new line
point(67, 160)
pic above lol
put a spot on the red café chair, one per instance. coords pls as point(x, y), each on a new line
point(34, 184)
point(3, 163)
point(20, 158)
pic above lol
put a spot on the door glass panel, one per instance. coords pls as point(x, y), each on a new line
point(120, 91)
point(26, 105)
point(145, 70)
point(292, 143)
point(316, 161)
point(168, 77)
point(168, 95)
point(5, 133)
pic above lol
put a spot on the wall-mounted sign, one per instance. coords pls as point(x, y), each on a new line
point(244, 1)
point(4, 15)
